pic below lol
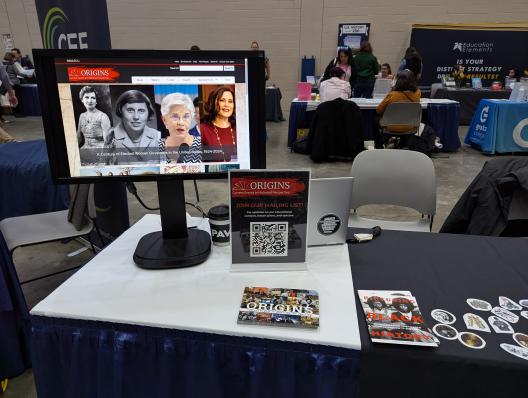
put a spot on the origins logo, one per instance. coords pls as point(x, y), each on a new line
point(467, 47)
point(52, 37)
point(248, 186)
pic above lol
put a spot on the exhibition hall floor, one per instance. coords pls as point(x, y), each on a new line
point(454, 171)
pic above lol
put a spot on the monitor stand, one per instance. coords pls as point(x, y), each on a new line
point(175, 246)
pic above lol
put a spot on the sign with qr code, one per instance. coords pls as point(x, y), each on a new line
point(268, 216)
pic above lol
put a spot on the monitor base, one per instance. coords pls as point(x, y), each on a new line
point(155, 252)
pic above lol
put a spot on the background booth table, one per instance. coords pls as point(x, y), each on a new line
point(442, 271)
point(499, 126)
point(442, 115)
point(273, 105)
point(469, 99)
point(116, 330)
point(29, 100)
point(14, 319)
point(26, 186)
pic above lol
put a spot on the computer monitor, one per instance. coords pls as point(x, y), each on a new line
point(145, 115)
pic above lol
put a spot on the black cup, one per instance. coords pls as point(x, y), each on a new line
point(219, 222)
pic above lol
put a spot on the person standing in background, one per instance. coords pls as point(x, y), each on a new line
point(367, 67)
point(14, 69)
point(344, 61)
point(412, 61)
point(6, 87)
point(267, 67)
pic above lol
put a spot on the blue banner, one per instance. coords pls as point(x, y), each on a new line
point(485, 52)
point(74, 24)
point(499, 126)
point(352, 34)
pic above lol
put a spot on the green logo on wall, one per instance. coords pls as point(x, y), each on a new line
point(54, 18)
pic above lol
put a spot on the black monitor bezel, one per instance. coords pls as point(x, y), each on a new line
point(54, 128)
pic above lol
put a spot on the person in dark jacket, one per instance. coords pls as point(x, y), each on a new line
point(367, 67)
point(336, 132)
point(412, 61)
point(345, 61)
point(483, 208)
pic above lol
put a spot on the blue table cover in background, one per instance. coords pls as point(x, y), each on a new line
point(299, 119)
point(443, 118)
point(29, 100)
point(79, 358)
point(14, 319)
point(499, 126)
point(26, 186)
point(307, 68)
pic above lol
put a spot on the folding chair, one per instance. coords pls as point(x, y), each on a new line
point(394, 177)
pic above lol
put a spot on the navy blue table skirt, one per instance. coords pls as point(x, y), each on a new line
point(75, 358)
point(14, 319)
point(443, 118)
point(26, 186)
point(29, 100)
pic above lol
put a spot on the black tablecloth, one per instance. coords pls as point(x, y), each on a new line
point(273, 106)
point(442, 271)
point(469, 99)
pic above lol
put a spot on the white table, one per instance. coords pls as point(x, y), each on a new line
point(158, 330)
point(372, 103)
point(112, 288)
point(442, 116)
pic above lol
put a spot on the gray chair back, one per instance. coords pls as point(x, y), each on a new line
point(434, 89)
point(395, 177)
point(402, 113)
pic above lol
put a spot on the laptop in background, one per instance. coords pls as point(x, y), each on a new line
point(328, 210)
point(381, 87)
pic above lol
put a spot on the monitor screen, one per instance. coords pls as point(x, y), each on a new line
point(149, 115)
point(140, 115)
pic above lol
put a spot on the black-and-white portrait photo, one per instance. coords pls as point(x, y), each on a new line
point(135, 137)
point(92, 109)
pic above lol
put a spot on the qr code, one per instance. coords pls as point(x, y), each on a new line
point(268, 239)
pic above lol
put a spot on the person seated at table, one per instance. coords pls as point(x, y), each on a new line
point(524, 74)
point(367, 68)
point(24, 61)
point(218, 129)
point(177, 113)
point(335, 87)
point(344, 61)
point(385, 71)
point(405, 90)
point(512, 73)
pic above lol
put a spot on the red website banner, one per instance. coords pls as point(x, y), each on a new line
point(244, 187)
point(80, 74)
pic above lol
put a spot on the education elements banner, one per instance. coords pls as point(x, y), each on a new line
point(74, 24)
point(486, 51)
